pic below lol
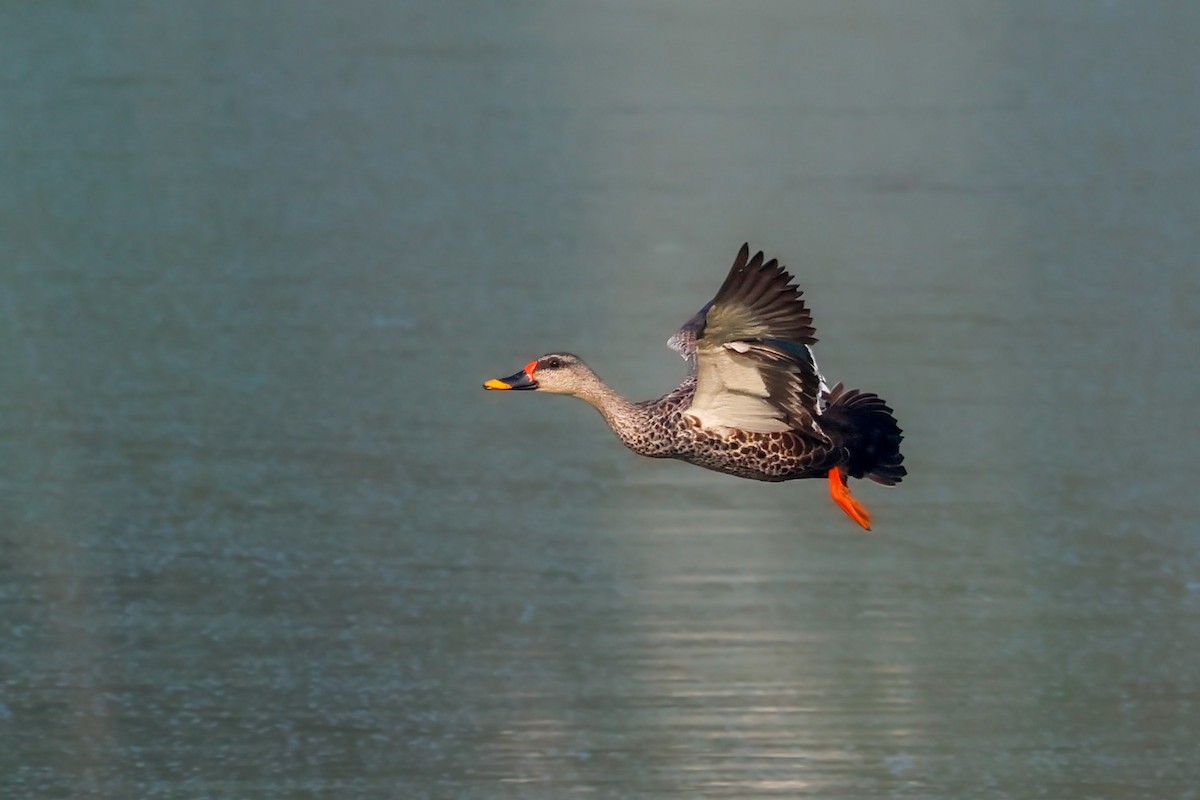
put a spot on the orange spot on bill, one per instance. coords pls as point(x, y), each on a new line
point(841, 495)
point(530, 367)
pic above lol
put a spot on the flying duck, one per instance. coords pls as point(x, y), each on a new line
point(754, 404)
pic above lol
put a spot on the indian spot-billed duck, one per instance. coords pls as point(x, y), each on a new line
point(754, 403)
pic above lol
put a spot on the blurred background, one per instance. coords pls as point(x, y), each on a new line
point(263, 535)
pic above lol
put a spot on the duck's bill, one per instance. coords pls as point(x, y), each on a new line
point(519, 380)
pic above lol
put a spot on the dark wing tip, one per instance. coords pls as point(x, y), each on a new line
point(766, 292)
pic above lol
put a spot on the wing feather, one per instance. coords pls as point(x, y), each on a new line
point(751, 351)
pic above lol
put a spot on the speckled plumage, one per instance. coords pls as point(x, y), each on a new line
point(754, 403)
point(660, 429)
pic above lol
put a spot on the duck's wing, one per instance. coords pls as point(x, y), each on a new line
point(684, 342)
point(750, 348)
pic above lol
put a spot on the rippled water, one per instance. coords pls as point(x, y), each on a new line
point(262, 534)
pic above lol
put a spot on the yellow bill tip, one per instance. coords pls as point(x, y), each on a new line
point(495, 384)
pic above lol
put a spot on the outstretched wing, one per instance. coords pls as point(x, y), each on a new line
point(751, 351)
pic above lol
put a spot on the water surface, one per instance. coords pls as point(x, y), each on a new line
point(264, 536)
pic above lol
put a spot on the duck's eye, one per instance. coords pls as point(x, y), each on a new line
point(553, 363)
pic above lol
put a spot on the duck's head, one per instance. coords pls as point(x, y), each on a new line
point(556, 373)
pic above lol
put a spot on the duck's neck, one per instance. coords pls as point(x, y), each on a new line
point(626, 418)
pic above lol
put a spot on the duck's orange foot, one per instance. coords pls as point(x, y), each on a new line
point(841, 495)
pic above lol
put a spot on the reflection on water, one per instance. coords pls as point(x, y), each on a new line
point(263, 535)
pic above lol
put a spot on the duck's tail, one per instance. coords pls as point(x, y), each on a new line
point(863, 423)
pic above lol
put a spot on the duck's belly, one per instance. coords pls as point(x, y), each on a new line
point(781, 456)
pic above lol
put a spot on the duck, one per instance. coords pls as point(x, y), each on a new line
point(754, 404)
